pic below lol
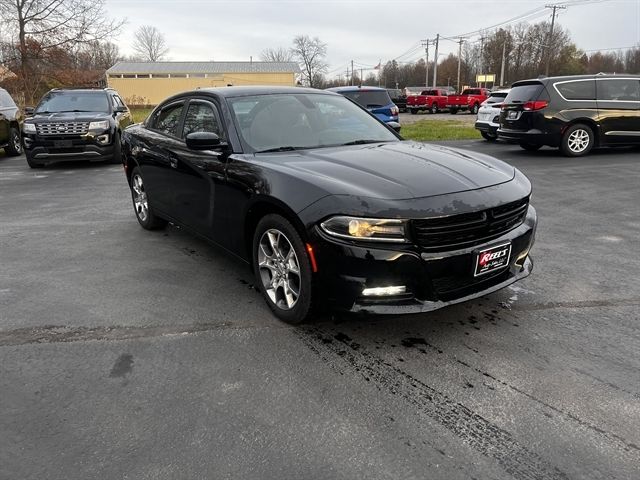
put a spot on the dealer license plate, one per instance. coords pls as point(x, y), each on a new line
point(492, 259)
point(513, 114)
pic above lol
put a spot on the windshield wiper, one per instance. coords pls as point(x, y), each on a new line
point(280, 149)
point(72, 111)
point(362, 142)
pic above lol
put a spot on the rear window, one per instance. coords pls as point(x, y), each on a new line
point(496, 97)
point(431, 92)
point(579, 90)
point(527, 92)
point(5, 99)
point(369, 98)
point(472, 91)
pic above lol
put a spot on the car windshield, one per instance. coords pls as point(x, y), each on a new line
point(281, 122)
point(73, 102)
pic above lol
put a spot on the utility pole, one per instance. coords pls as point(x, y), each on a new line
point(460, 42)
point(352, 73)
point(550, 41)
point(425, 43)
point(435, 62)
point(346, 77)
point(480, 66)
point(361, 77)
point(504, 47)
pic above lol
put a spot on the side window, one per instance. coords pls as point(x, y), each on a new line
point(167, 120)
point(201, 117)
point(118, 102)
point(585, 90)
point(619, 89)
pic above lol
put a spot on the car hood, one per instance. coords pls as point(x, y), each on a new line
point(69, 117)
point(393, 171)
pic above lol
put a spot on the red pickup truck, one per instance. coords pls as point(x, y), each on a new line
point(432, 100)
point(470, 99)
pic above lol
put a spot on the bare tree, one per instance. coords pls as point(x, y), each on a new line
point(150, 44)
point(279, 54)
point(310, 53)
point(35, 27)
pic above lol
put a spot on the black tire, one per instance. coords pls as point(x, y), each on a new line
point(144, 213)
point(269, 228)
point(413, 111)
point(577, 141)
point(32, 163)
point(488, 136)
point(14, 148)
point(453, 111)
point(434, 108)
point(475, 108)
point(530, 147)
point(117, 149)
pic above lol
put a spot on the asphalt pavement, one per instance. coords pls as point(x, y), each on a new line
point(150, 355)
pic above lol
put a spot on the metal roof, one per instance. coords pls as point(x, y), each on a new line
point(203, 67)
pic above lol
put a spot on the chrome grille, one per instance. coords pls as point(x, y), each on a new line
point(62, 128)
point(468, 229)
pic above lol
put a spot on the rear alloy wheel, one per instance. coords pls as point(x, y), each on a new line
point(434, 108)
point(530, 147)
point(578, 140)
point(282, 269)
point(475, 108)
point(15, 143)
point(488, 136)
point(144, 213)
point(453, 111)
point(413, 111)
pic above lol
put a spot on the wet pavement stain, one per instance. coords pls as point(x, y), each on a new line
point(123, 366)
point(465, 423)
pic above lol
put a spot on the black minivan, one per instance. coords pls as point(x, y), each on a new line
point(573, 113)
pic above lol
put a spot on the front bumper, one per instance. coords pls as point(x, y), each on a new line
point(432, 280)
point(49, 149)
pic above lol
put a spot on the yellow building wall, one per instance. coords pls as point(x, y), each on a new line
point(151, 91)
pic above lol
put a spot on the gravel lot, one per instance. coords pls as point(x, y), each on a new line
point(150, 355)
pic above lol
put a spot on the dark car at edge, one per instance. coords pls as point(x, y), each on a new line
point(330, 207)
point(11, 119)
point(574, 113)
point(75, 124)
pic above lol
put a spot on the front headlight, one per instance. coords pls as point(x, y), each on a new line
point(28, 128)
point(370, 229)
point(103, 125)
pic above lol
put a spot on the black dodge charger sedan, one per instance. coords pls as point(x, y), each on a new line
point(327, 204)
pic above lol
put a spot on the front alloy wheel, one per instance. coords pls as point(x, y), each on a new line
point(144, 212)
point(283, 269)
point(577, 141)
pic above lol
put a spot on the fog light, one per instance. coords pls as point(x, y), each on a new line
point(102, 139)
point(384, 291)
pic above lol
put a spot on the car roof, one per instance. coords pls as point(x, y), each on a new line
point(566, 78)
point(254, 90)
point(356, 88)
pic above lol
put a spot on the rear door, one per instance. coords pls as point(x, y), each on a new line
point(157, 155)
point(4, 120)
point(619, 109)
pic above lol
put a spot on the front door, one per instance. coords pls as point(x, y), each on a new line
point(199, 172)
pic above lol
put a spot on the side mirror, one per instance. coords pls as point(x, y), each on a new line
point(120, 110)
point(202, 141)
point(29, 111)
point(394, 125)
